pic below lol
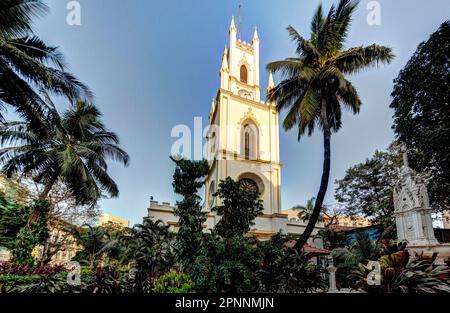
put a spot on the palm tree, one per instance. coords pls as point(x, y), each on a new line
point(149, 249)
point(305, 212)
point(72, 149)
point(314, 88)
point(26, 62)
point(95, 241)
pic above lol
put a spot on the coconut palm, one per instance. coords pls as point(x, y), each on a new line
point(314, 89)
point(26, 62)
point(305, 211)
point(95, 242)
point(72, 149)
point(148, 246)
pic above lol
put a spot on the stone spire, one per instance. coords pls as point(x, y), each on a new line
point(232, 25)
point(255, 35)
point(213, 107)
point(271, 84)
point(405, 155)
point(225, 59)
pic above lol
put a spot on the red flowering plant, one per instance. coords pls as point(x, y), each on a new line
point(26, 269)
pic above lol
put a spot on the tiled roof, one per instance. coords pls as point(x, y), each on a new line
point(309, 248)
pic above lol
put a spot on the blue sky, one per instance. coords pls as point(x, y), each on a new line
point(154, 64)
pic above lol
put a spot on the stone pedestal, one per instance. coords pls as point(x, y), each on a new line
point(332, 276)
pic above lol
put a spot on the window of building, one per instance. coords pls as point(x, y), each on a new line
point(249, 141)
point(213, 144)
point(251, 181)
point(243, 74)
point(211, 191)
point(249, 184)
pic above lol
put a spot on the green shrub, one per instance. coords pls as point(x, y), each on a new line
point(174, 282)
point(226, 265)
point(18, 280)
point(403, 273)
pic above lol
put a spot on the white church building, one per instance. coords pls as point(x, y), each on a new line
point(243, 142)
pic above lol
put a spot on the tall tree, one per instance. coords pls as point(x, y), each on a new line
point(366, 189)
point(27, 63)
point(421, 103)
point(72, 148)
point(238, 210)
point(187, 180)
point(314, 87)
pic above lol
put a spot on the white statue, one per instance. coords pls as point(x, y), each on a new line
point(412, 208)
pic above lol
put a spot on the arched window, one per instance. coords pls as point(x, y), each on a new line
point(247, 145)
point(243, 74)
point(211, 191)
point(251, 181)
point(249, 184)
point(249, 141)
point(212, 145)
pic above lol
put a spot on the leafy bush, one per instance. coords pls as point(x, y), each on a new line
point(104, 280)
point(30, 279)
point(402, 274)
point(26, 269)
point(33, 234)
point(285, 270)
point(226, 265)
point(174, 282)
point(18, 280)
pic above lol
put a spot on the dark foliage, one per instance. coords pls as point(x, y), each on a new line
point(238, 210)
point(421, 103)
point(187, 180)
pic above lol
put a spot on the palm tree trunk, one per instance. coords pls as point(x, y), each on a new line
point(323, 183)
point(48, 186)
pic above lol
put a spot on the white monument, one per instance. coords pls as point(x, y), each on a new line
point(413, 213)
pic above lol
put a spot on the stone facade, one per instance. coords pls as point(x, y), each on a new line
point(106, 218)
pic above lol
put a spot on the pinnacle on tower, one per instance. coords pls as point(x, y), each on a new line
point(225, 59)
point(271, 84)
point(213, 107)
point(232, 26)
point(255, 35)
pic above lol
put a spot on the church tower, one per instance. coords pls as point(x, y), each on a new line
point(243, 138)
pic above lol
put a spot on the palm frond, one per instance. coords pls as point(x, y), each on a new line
point(356, 59)
point(38, 50)
point(17, 16)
